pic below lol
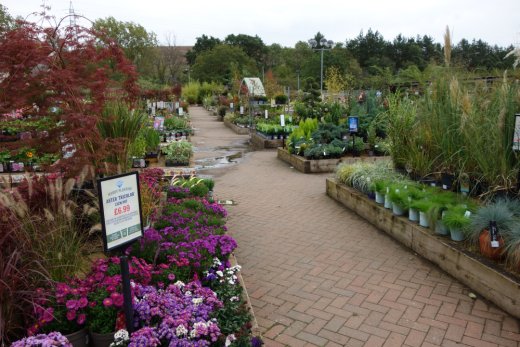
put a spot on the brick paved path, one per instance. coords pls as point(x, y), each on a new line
point(319, 275)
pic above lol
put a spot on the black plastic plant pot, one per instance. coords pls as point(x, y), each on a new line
point(447, 181)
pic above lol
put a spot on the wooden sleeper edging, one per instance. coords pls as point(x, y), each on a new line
point(500, 288)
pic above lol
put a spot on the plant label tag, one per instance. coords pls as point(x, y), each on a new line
point(241, 110)
point(282, 120)
point(495, 244)
point(231, 105)
point(445, 187)
point(266, 114)
point(467, 214)
point(493, 234)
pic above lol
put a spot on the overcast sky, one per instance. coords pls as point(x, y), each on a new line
point(287, 22)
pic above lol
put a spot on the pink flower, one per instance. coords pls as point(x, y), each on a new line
point(171, 277)
point(72, 304)
point(107, 302)
point(117, 299)
point(48, 315)
point(82, 302)
point(81, 318)
point(71, 315)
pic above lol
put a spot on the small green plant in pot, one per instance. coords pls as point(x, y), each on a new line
point(423, 206)
point(178, 153)
point(456, 219)
point(379, 187)
point(398, 195)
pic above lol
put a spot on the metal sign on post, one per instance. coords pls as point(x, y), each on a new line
point(266, 114)
point(122, 224)
point(353, 124)
point(282, 120)
point(120, 209)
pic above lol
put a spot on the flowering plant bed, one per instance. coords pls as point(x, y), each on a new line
point(499, 287)
point(185, 290)
point(318, 165)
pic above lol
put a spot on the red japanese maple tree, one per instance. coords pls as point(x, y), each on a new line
point(67, 73)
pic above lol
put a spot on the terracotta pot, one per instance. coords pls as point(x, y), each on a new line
point(78, 338)
point(484, 242)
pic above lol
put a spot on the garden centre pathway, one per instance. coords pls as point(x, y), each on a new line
point(319, 275)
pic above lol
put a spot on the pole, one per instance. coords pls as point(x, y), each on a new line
point(321, 74)
point(127, 294)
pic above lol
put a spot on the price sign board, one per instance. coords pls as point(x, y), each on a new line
point(353, 124)
point(120, 208)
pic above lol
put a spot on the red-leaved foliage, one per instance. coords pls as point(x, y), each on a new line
point(66, 73)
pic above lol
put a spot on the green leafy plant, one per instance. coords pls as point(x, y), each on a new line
point(456, 218)
point(178, 151)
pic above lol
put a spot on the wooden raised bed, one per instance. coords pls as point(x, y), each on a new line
point(319, 166)
point(238, 130)
point(259, 141)
point(497, 286)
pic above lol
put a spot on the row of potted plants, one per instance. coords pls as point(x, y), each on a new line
point(184, 289)
point(492, 228)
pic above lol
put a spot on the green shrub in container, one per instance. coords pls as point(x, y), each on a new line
point(178, 153)
point(415, 193)
point(398, 195)
point(456, 219)
point(423, 206)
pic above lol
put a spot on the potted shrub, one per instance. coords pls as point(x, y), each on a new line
point(456, 220)
point(178, 153)
point(505, 215)
point(398, 195)
point(423, 206)
point(152, 140)
point(380, 189)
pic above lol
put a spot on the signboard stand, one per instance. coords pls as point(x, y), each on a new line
point(353, 128)
point(121, 220)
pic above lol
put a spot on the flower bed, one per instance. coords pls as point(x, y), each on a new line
point(496, 285)
point(185, 290)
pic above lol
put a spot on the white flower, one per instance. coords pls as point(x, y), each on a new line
point(179, 284)
point(188, 293)
point(193, 333)
point(196, 301)
point(231, 281)
point(121, 335)
point(234, 298)
point(181, 330)
point(229, 339)
point(219, 273)
point(216, 262)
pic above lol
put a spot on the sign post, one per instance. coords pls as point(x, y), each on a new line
point(282, 123)
point(121, 220)
point(353, 123)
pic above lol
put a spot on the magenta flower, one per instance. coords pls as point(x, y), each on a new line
point(107, 302)
point(71, 315)
point(81, 318)
point(72, 304)
point(82, 302)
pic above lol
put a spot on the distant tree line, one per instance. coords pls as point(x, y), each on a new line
point(367, 60)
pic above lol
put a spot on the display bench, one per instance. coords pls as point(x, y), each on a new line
point(320, 165)
point(260, 141)
point(482, 276)
point(237, 129)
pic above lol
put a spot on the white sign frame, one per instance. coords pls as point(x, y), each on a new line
point(120, 209)
point(516, 134)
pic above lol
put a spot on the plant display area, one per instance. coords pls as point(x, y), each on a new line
point(75, 126)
